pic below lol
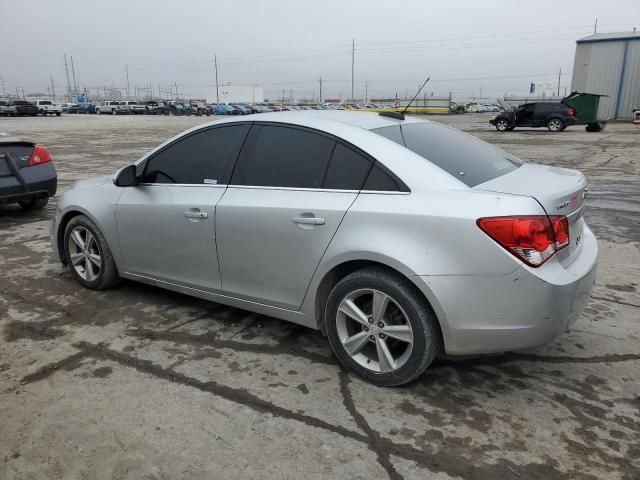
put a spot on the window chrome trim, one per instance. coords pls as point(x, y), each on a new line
point(326, 190)
point(208, 185)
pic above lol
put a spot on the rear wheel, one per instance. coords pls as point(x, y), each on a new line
point(502, 125)
point(34, 203)
point(380, 327)
point(88, 255)
point(555, 125)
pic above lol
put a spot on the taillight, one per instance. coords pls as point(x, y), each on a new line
point(531, 238)
point(570, 111)
point(39, 155)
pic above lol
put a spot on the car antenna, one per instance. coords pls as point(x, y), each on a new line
point(400, 115)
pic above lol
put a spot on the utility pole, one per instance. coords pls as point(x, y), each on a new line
point(126, 71)
point(291, 95)
point(73, 71)
point(66, 68)
point(4, 94)
point(215, 64)
point(595, 26)
point(176, 84)
point(366, 92)
point(320, 99)
point(283, 96)
point(559, 75)
point(480, 97)
point(53, 91)
point(353, 63)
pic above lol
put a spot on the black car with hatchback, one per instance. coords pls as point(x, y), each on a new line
point(556, 116)
point(27, 174)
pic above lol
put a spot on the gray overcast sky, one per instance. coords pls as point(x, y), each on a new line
point(288, 44)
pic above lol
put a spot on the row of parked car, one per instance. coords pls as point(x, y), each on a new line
point(18, 108)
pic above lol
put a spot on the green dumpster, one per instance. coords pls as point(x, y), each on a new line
point(585, 106)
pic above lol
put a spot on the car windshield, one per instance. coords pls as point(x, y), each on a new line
point(467, 158)
point(45, 102)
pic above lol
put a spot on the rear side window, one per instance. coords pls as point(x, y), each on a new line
point(467, 158)
point(381, 180)
point(347, 170)
point(199, 158)
point(275, 156)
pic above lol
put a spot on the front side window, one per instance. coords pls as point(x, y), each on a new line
point(275, 156)
point(199, 158)
point(467, 158)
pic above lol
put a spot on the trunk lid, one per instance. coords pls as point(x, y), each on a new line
point(560, 191)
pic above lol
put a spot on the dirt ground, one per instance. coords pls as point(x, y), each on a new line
point(141, 383)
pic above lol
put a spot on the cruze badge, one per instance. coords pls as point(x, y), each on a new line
point(562, 205)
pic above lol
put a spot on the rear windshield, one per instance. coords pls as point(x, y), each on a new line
point(467, 158)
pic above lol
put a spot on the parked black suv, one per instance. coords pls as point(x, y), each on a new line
point(25, 108)
point(553, 115)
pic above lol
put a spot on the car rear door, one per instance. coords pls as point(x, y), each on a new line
point(281, 210)
point(524, 115)
point(166, 223)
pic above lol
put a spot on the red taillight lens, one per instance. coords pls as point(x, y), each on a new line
point(570, 111)
point(532, 238)
point(39, 155)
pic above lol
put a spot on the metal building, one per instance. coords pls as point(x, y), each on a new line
point(609, 64)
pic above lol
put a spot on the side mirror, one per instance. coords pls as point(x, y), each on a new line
point(125, 177)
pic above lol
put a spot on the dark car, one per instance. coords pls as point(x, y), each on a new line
point(555, 116)
point(243, 109)
point(25, 108)
point(27, 174)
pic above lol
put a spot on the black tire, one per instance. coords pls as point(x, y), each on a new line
point(427, 338)
point(502, 124)
point(34, 203)
point(108, 274)
point(555, 125)
point(58, 114)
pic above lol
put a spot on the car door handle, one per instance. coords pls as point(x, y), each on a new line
point(308, 220)
point(196, 214)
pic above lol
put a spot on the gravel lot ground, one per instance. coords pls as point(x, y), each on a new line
point(138, 382)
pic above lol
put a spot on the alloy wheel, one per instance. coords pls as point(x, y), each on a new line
point(84, 253)
point(555, 125)
point(502, 125)
point(374, 330)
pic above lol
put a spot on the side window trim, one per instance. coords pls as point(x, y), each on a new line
point(225, 178)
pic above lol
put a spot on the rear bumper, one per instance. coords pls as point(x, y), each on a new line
point(37, 179)
point(526, 308)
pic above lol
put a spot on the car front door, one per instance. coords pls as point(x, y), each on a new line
point(280, 212)
point(166, 223)
point(524, 115)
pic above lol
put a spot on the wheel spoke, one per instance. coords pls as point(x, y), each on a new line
point(95, 259)
point(77, 239)
point(399, 332)
point(380, 304)
point(88, 267)
point(76, 258)
point(90, 240)
point(351, 310)
point(386, 360)
point(354, 343)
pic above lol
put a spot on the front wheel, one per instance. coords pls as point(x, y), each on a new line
point(555, 125)
point(58, 114)
point(381, 328)
point(502, 125)
point(88, 255)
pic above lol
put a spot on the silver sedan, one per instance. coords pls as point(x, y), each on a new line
point(399, 239)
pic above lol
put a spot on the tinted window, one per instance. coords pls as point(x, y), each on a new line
point(283, 157)
point(379, 179)
point(347, 170)
point(199, 158)
point(467, 158)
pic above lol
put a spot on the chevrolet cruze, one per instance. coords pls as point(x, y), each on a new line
point(400, 239)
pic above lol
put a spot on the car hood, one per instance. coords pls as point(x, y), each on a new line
point(92, 182)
